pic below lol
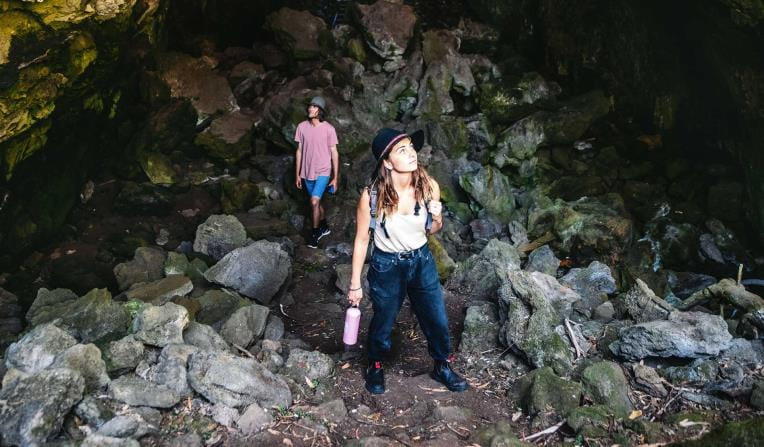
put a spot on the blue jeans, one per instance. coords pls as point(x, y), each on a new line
point(391, 277)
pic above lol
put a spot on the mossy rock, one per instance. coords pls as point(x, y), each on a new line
point(606, 384)
point(592, 422)
point(23, 146)
point(158, 168)
point(82, 53)
point(31, 99)
point(357, 50)
point(443, 262)
point(239, 195)
point(491, 189)
point(498, 434)
point(15, 24)
point(748, 433)
point(542, 390)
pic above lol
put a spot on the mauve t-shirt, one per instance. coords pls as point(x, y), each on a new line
point(316, 142)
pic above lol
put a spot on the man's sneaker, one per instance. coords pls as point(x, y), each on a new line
point(313, 240)
point(375, 378)
point(444, 374)
point(323, 231)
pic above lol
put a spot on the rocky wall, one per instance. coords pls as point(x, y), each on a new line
point(67, 88)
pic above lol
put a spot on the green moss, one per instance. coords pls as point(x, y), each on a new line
point(93, 102)
point(590, 421)
point(356, 50)
point(29, 100)
point(15, 23)
point(23, 146)
point(82, 53)
point(158, 168)
point(443, 263)
point(238, 195)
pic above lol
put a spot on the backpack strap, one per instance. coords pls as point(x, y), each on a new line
point(373, 208)
point(428, 222)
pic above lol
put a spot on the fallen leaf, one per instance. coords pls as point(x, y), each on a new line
point(346, 366)
point(273, 432)
point(635, 414)
point(516, 416)
point(309, 382)
point(287, 441)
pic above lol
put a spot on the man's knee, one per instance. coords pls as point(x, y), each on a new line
point(315, 202)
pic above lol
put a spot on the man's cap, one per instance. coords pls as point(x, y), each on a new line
point(319, 102)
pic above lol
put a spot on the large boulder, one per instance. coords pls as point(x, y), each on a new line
point(147, 265)
point(388, 27)
point(541, 391)
point(297, 32)
point(481, 274)
point(529, 321)
point(246, 325)
point(642, 304)
point(38, 349)
point(216, 306)
point(228, 137)
point(32, 409)
point(161, 291)
point(160, 325)
point(257, 270)
point(504, 102)
point(195, 80)
point(594, 283)
point(136, 391)
point(446, 71)
point(87, 361)
point(312, 365)
point(591, 227)
point(219, 235)
point(90, 318)
point(492, 190)
point(225, 379)
point(124, 353)
point(204, 337)
point(683, 334)
point(605, 383)
point(565, 125)
point(481, 329)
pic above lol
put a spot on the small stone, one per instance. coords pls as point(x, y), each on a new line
point(147, 265)
point(125, 353)
point(204, 337)
point(224, 415)
point(452, 415)
point(161, 325)
point(274, 330)
point(605, 312)
point(96, 440)
point(253, 420)
point(246, 325)
point(161, 291)
point(333, 412)
point(38, 349)
point(135, 391)
point(219, 235)
point(543, 260)
point(308, 364)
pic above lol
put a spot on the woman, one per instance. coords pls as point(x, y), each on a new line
point(406, 201)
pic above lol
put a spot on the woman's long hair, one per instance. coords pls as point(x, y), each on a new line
point(387, 198)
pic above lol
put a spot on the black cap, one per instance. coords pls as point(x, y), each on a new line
point(386, 139)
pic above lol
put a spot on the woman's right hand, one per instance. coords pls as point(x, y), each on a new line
point(355, 296)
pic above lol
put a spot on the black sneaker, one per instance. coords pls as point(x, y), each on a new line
point(312, 240)
point(444, 374)
point(375, 378)
point(323, 231)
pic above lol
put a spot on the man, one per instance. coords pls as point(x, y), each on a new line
point(316, 164)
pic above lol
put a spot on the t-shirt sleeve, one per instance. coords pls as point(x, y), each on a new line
point(332, 137)
point(298, 134)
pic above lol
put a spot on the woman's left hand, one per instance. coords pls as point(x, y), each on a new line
point(436, 208)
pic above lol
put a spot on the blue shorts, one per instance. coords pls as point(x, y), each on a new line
point(316, 188)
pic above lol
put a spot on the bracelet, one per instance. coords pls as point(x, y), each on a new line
point(353, 290)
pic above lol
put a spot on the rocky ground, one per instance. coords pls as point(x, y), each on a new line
point(598, 287)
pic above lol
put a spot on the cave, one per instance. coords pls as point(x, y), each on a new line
point(586, 137)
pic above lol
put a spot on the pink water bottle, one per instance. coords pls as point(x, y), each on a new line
point(352, 321)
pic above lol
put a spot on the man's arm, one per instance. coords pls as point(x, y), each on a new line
point(335, 168)
point(297, 162)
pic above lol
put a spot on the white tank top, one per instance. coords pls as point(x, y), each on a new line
point(406, 232)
